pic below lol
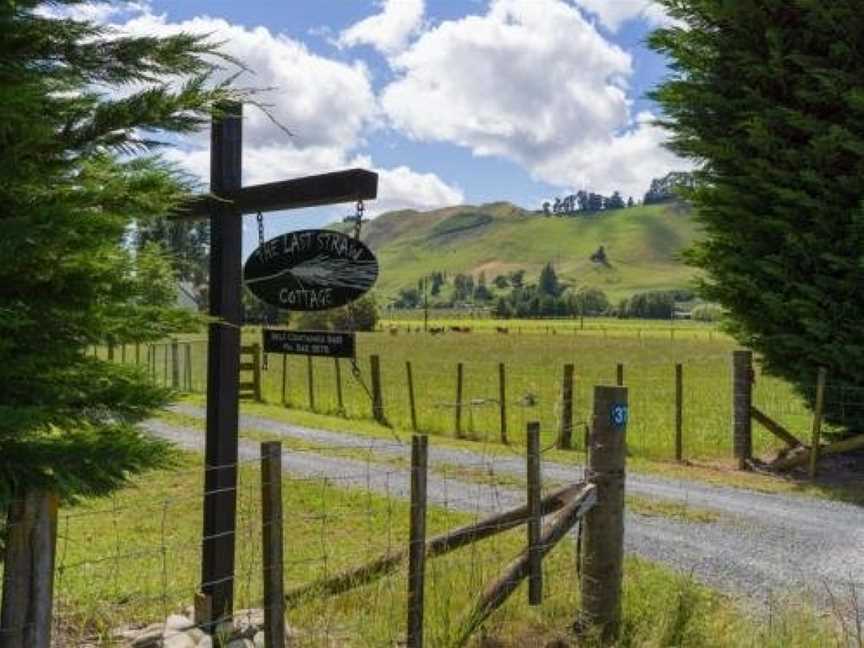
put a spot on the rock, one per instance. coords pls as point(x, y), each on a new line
point(206, 642)
point(241, 643)
point(179, 640)
point(149, 637)
point(178, 623)
point(196, 634)
point(258, 640)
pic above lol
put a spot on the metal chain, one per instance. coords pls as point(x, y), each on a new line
point(358, 218)
point(260, 219)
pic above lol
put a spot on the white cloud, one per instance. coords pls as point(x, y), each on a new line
point(326, 104)
point(321, 101)
point(389, 30)
point(614, 13)
point(533, 82)
point(624, 161)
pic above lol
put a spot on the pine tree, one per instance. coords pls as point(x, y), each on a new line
point(548, 284)
point(73, 186)
point(769, 94)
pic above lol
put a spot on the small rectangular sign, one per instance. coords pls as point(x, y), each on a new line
point(312, 343)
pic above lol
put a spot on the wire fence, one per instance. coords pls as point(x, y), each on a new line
point(491, 401)
point(128, 568)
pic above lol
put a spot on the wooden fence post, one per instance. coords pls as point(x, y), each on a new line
point(535, 515)
point(123, 353)
point(502, 401)
point(565, 435)
point(377, 395)
point(187, 366)
point(284, 379)
point(137, 353)
point(411, 404)
point(165, 365)
point(310, 382)
point(816, 428)
point(339, 398)
point(417, 541)
point(175, 364)
point(459, 384)
point(679, 413)
point(272, 558)
point(28, 578)
point(256, 370)
point(603, 548)
point(619, 375)
point(110, 352)
point(742, 402)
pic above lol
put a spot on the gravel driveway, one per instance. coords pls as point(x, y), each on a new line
point(761, 545)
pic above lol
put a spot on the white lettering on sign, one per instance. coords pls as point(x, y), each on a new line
point(308, 298)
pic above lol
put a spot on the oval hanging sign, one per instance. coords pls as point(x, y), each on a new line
point(310, 270)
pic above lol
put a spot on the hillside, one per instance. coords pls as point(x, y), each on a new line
point(642, 244)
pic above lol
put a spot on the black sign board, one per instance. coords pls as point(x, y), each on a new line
point(312, 343)
point(310, 270)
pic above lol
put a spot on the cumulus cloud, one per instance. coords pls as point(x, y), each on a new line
point(389, 30)
point(614, 13)
point(326, 104)
point(533, 82)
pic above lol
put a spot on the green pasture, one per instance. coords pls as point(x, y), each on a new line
point(533, 363)
point(134, 558)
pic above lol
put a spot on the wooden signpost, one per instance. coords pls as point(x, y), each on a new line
point(225, 206)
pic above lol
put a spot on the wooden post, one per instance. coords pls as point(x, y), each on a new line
point(175, 364)
point(123, 353)
point(137, 353)
point(679, 412)
point(565, 435)
point(411, 404)
point(502, 401)
point(284, 379)
point(256, 370)
point(310, 382)
point(417, 541)
point(619, 375)
point(272, 558)
point(110, 352)
point(604, 524)
point(164, 365)
point(535, 515)
point(187, 366)
point(339, 398)
point(816, 428)
point(460, 374)
point(223, 365)
point(377, 395)
point(742, 401)
point(28, 577)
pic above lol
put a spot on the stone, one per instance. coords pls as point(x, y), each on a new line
point(178, 623)
point(258, 640)
point(196, 634)
point(241, 643)
point(179, 640)
point(149, 637)
point(206, 642)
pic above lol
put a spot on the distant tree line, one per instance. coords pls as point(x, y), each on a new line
point(585, 202)
point(662, 190)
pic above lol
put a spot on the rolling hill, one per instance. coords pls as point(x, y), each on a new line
point(642, 244)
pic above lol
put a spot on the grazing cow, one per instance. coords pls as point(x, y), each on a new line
point(502, 329)
point(394, 330)
point(437, 330)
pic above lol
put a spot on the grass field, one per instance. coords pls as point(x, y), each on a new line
point(534, 363)
point(134, 558)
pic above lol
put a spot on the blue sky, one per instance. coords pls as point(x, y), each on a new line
point(451, 101)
